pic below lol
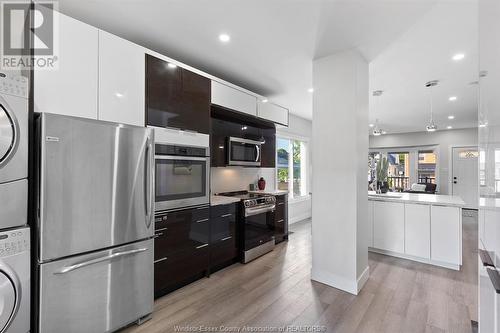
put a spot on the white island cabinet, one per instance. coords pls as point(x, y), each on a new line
point(421, 227)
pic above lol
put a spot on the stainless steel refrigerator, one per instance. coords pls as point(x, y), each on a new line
point(95, 196)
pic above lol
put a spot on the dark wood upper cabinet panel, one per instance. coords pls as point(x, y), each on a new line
point(176, 97)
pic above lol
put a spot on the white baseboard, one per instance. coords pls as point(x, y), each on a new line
point(418, 259)
point(363, 278)
point(298, 218)
point(335, 281)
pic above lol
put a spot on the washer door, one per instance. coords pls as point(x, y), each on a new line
point(8, 134)
point(7, 300)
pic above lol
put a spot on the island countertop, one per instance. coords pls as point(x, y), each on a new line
point(431, 199)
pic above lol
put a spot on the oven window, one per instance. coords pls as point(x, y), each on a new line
point(243, 152)
point(180, 179)
point(259, 229)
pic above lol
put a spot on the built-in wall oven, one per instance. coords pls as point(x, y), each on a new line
point(243, 152)
point(182, 176)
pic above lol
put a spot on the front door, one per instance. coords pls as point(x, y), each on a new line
point(465, 175)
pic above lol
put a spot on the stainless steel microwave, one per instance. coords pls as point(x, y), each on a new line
point(243, 152)
point(182, 176)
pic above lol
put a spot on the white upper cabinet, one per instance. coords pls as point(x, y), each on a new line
point(275, 113)
point(233, 99)
point(121, 80)
point(71, 88)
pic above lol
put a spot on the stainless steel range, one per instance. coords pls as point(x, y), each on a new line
point(257, 224)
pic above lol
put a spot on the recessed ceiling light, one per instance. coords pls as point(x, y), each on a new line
point(371, 125)
point(244, 128)
point(449, 127)
point(171, 65)
point(119, 95)
point(310, 90)
point(451, 117)
point(452, 98)
point(264, 100)
point(458, 56)
point(483, 124)
point(224, 38)
point(221, 147)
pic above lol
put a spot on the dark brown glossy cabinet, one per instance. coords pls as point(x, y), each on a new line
point(223, 236)
point(226, 123)
point(281, 218)
point(182, 240)
point(176, 97)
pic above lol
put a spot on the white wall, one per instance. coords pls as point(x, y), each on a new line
point(299, 128)
point(444, 139)
point(340, 205)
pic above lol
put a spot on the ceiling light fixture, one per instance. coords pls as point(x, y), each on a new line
point(311, 90)
point(449, 127)
point(264, 100)
point(458, 56)
point(451, 117)
point(224, 38)
point(119, 95)
point(452, 98)
point(377, 131)
point(432, 127)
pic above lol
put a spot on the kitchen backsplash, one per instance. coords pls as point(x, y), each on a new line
point(238, 178)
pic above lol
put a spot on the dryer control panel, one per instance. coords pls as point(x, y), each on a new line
point(14, 241)
point(16, 85)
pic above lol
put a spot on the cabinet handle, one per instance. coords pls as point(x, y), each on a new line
point(160, 260)
point(226, 238)
point(200, 221)
point(204, 207)
point(280, 203)
point(158, 234)
point(161, 229)
point(201, 246)
point(281, 221)
point(226, 215)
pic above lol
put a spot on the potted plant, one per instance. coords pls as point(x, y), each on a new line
point(382, 167)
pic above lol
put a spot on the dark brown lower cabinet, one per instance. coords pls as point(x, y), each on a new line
point(223, 236)
point(181, 248)
point(281, 218)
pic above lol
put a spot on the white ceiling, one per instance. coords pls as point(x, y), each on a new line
point(273, 42)
point(424, 53)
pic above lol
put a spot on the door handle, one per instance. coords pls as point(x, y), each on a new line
point(68, 269)
point(148, 180)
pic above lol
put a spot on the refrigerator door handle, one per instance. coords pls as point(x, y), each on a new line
point(68, 269)
point(148, 181)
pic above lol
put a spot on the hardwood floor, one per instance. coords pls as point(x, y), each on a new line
point(276, 290)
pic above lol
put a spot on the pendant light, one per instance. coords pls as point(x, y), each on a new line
point(377, 131)
point(432, 127)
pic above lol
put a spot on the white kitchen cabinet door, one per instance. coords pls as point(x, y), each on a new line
point(233, 99)
point(418, 230)
point(275, 113)
point(121, 80)
point(445, 234)
point(370, 223)
point(389, 226)
point(71, 88)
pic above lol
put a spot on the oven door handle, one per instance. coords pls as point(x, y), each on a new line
point(259, 210)
point(181, 158)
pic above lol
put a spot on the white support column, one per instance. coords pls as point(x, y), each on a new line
point(340, 143)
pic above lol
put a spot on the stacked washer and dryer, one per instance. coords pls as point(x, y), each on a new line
point(14, 233)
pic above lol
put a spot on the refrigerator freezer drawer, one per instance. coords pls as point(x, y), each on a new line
point(98, 292)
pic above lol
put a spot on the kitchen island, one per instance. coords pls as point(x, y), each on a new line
point(420, 227)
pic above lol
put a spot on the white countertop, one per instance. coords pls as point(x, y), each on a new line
point(216, 200)
point(270, 192)
point(437, 199)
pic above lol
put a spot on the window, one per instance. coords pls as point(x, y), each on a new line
point(291, 168)
point(398, 173)
point(426, 166)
